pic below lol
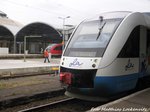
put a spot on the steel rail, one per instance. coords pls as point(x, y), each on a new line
point(40, 107)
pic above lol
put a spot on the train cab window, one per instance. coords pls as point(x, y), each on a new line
point(131, 47)
point(89, 40)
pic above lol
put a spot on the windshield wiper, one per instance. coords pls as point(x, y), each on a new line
point(101, 26)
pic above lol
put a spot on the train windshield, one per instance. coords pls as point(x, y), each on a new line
point(91, 38)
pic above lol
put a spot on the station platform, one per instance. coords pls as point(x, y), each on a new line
point(17, 67)
point(137, 102)
point(19, 56)
point(42, 82)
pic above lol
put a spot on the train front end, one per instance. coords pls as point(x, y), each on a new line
point(79, 77)
point(81, 60)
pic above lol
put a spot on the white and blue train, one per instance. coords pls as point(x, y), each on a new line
point(106, 55)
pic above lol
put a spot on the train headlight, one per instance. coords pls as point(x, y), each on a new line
point(93, 65)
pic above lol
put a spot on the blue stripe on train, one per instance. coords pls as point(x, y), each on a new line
point(109, 85)
point(115, 84)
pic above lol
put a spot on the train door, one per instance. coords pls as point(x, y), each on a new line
point(143, 51)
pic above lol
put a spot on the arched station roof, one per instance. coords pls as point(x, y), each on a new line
point(8, 27)
point(5, 33)
point(45, 31)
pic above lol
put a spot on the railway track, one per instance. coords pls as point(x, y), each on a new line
point(70, 105)
point(73, 105)
point(28, 75)
point(65, 105)
point(46, 106)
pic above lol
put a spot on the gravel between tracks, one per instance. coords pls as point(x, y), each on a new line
point(27, 86)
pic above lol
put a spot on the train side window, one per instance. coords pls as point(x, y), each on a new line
point(131, 47)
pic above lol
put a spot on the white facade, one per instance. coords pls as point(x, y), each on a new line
point(4, 50)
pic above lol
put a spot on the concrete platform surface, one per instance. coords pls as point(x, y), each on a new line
point(137, 102)
point(14, 63)
point(13, 67)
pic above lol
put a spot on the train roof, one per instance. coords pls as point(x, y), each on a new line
point(110, 15)
point(146, 13)
point(147, 18)
point(122, 14)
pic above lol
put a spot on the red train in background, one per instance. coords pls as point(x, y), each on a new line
point(55, 49)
